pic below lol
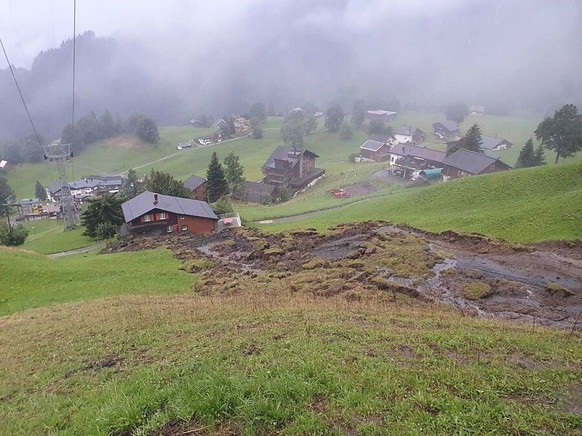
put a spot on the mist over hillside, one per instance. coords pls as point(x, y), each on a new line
point(191, 58)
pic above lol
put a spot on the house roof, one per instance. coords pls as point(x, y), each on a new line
point(372, 145)
point(193, 182)
point(144, 203)
point(260, 188)
point(3, 163)
point(417, 151)
point(380, 137)
point(289, 154)
point(451, 126)
point(489, 143)
point(381, 112)
point(470, 161)
point(407, 130)
point(218, 123)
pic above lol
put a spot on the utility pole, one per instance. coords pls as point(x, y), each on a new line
point(61, 153)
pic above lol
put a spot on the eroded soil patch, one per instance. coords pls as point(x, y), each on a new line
point(529, 283)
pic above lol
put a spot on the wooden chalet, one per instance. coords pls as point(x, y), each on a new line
point(464, 163)
point(290, 167)
point(153, 213)
point(197, 187)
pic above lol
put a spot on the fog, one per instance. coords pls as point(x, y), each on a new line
point(175, 59)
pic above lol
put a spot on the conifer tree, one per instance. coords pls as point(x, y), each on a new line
point(39, 191)
point(526, 155)
point(473, 139)
point(539, 156)
point(216, 185)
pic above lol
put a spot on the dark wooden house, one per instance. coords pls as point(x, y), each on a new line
point(446, 129)
point(464, 163)
point(197, 187)
point(158, 214)
point(375, 150)
point(293, 168)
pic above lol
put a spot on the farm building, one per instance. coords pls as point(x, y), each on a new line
point(259, 192)
point(197, 187)
point(446, 129)
point(464, 163)
point(160, 214)
point(409, 134)
point(377, 151)
point(494, 144)
point(381, 115)
point(293, 168)
point(407, 158)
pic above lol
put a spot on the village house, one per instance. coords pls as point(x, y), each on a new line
point(464, 163)
point(254, 192)
point(290, 167)
point(477, 110)
point(197, 187)
point(408, 158)
point(446, 129)
point(90, 186)
point(381, 115)
point(375, 150)
point(495, 144)
point(406, 134)
point(153, 213)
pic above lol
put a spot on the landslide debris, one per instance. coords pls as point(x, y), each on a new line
point(389, 264)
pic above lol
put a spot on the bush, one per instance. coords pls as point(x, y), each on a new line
point(222, 206)
point(105, 231)
point(14, 236)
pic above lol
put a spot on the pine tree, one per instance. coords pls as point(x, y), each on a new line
point(473, 139)
point(39, 191)
point(346, 132)
point(216, 185)
point(132, 187)
point(233, 173)
point(164, 183)
point(539, 156)
point(526, 156)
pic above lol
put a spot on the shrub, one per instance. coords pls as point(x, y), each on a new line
point(222, 206)
point(105, 231)
point(13, 236)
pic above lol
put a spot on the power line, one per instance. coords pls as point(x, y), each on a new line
point(24, 102)
point(74, 78)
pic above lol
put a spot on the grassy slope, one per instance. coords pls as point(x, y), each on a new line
point(522, 205)
point(48, 236)
point(260, 364)
point(32, 280)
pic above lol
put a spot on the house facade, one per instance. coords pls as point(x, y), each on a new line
point(293, 168)
point(197, 187)
point(495, 144)
point(463, 163)
point(151, 213)
point(90, 186)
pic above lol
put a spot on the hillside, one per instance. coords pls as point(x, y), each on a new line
point(299, 333)
point(527, 205)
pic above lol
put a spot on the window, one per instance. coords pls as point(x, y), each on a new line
point(147, 218)
point(169, 229)
point(184, 228)
point(163, 216)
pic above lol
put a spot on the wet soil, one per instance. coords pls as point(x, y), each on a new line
point(539, 284)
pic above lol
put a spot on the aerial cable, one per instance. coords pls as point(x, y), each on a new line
point(24, 102)
point(74, 77)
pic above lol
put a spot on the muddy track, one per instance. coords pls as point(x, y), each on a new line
point(527, 283)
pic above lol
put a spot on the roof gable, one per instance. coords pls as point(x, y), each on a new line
point(416, 151)
point(193, 182)
point(292, 156)
point(144, 203)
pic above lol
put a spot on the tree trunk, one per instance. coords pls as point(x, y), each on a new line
point(557, 157)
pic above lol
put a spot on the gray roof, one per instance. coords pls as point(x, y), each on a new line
point(286, 153)
point(380, 137)
point(470, 161)
point(372, 145)
point(193, 182)
point(144, 203)
point(416, 151)
point(451, 126)
point(489, 143)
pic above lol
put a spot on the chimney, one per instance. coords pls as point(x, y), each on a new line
point(155, 199)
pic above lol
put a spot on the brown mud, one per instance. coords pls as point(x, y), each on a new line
point(538, 284)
